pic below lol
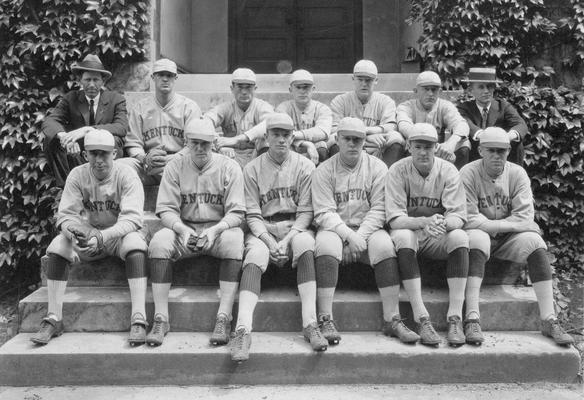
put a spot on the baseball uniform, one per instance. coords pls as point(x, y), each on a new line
point(315, 121)
point(153, 126)
point(234, 121)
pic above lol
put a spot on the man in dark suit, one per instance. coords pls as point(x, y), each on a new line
point(79, 112)
point(485, 111)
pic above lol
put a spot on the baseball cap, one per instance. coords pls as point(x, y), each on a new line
point(164, 65)
point(99, 139)
point(279, 120)
point(365, 68)
point(424, 131)
point(201, 129)
point(428, 78)
point(243, 75)
point(350, 126)
point(301, 76)
point(495, 137)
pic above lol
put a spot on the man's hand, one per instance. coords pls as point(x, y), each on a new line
point(311, 152)
point(354, 247)
point(73, 148)
point(207, 238)
point(156, 158)
point(435, 225)
point(282, 252)
point(87, 239)
point(275, 256)
point(73, 136)
point(375, 140)
point(184, 233)
point(526, 226)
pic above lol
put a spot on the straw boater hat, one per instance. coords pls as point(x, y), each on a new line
point(91, 63)
point(482, 74)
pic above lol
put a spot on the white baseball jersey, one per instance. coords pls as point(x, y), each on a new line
point(378, 111)
point(506, 198)
point(349, 199)
point(152, 125)
point(407, 193)
point(315, 121)
point(272, 188)
point(196, 196)
point(444, 116)
point(113, 205)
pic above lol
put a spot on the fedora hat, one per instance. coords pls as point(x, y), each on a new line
point(482, 74)
point(92, 63)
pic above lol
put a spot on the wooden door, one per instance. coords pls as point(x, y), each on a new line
point(271, 36)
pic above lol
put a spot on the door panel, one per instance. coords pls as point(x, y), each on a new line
point(319, 35)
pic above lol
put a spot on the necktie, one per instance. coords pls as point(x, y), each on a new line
point(484, 118)
point(91, 113)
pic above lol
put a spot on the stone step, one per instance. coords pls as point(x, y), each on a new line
point(387, 82)
point(194, 308)
point(110, 271)
point(208, 99)
point(277, 358)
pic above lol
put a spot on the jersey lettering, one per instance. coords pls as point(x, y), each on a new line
point(163, 131)
point(497, 199)
point(201, 198)
point(422, 201)
point(278, 193)
point(108, 205)
point(351, 194)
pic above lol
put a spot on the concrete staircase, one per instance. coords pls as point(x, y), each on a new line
point(94, 351)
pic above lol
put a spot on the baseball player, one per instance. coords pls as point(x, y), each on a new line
point(279, 213)
point(453, 144)
point(100, 214)
point(485, 110)
point(201, 205)
point(425, 207)
point(241, 119)
point(157, 125)
point(349, 210)
point(312, 119)
point(376, 110)
point(500, 224)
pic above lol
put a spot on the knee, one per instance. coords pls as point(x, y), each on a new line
point(131, 242)
point(303, 242)
point(162, 244)
point(404, 239)
point(328, 244)
point(456, 239)
point(380, 247)
point(532, 242)
point(233, 238)
point(479, 240)
point(63, 247)
point(257, 253)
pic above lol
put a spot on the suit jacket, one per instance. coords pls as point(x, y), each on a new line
point(72, 112)
point(501, 114)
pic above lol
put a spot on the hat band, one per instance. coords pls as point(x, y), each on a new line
point(103, 147)
point(201, 136)
point(424, 137)
point(503, 145)
point(349, 132)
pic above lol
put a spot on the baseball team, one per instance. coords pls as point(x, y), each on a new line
point(302, 185)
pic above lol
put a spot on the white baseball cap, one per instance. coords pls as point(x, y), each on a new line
point(428, 78)
point(495, 137)
point(424, 131)
point(365, 68)
point(350, 126)
point(164, 65)
point(301, 76)
point(201, 129)
point(99, 139)
point(279, 120)
point(243, 75)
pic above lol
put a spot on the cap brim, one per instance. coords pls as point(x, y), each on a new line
point(164, 70)
point(200, 136)
point(365, 74)
point(496, 145)
point(99, 147)
point(101, 71)
point(352, 133)
point(246, 81)
point(424, 138)
point(434, 84)
point(281, 126)
point(302, 82)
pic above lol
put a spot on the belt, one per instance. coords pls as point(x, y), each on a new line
point(279, 217)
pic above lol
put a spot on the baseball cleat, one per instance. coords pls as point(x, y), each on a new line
point(428, 335)
point(137, 330)
point(552, 328)
point(49, 329)
point(220, 335)
point(397, 328)
point(240, 345)
point(313, 335)
point(455, 335)
point(160, 328)
point(328, 328)
point(473, 332)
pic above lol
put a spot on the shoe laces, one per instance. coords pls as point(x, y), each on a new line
point(329, 324)
point(238, 339)
point(45, 327)
point(556, 328)
point(220, 325)
point(314, 332)
point(453, 322)
point(157, 327)
point(473, 326)
point(136, 328)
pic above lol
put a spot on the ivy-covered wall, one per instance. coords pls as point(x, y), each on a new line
point(39, 41)
point(512, 35)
